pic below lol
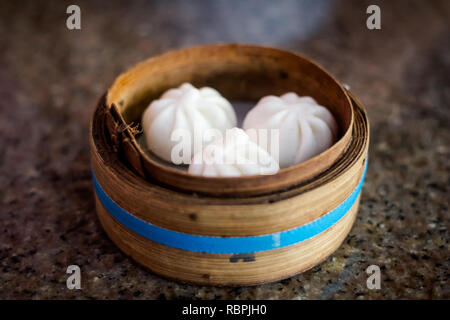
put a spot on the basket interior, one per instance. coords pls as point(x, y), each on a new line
point(243, 74)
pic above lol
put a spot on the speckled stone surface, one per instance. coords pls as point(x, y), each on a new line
point(51, 78)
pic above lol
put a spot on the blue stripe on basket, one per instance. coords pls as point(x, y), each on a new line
point(227, 245)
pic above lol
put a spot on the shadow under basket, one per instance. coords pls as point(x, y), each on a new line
point(226, 231)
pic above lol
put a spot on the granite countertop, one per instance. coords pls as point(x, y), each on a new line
point(51, 78)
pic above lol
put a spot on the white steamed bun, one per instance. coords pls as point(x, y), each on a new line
point(305, 128)
point(231, 156)
point(186, 108)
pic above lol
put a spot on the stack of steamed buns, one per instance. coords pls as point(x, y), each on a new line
point(198, 127)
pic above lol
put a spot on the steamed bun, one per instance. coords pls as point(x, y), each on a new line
point(305, 128)
point(231, 156)
point(187, 109)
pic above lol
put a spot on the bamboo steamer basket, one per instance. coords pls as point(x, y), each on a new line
point(226, 231)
